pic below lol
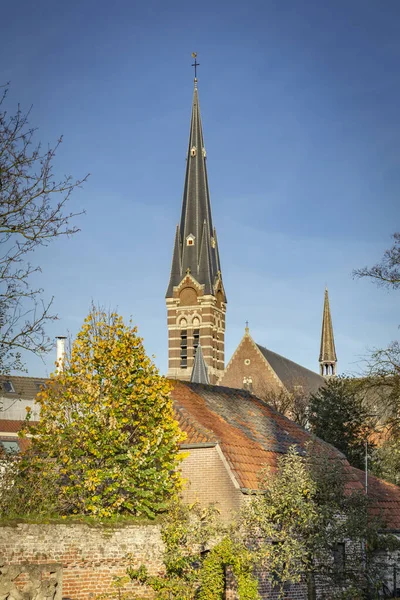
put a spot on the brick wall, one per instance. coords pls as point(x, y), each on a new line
point(208, 481)
point(85, 559)
point(248, 362)
point(79, 562)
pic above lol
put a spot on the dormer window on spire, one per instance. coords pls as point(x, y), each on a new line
point(193, 151)
point(190, 240)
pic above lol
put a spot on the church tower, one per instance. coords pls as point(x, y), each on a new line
point(327, 355)
point(196, 301)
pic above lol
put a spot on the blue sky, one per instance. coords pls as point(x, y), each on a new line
point(301, 122)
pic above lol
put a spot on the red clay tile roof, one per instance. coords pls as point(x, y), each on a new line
point(252, 434)
point(9, 430)
point(9, 426)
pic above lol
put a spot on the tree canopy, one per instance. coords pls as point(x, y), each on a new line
point(302, 525)
point(339, 415)
point(107, 442)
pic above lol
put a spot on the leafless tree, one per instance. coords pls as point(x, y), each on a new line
point(382, 366)
point(32, 214)
point(292, 403)
point(381, 381)
point(387, 272)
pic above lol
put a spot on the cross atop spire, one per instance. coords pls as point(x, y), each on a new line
point(327, 355)
point(195, 65)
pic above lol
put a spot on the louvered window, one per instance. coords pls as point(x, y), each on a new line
point(183, 349)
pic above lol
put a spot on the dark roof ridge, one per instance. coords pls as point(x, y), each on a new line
point(286, 359)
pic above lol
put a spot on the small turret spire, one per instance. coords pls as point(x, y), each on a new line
point(200, 371)
point(327, 355)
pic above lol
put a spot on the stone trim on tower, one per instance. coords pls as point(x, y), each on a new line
point(196, 300)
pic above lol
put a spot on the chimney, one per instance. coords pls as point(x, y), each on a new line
point(60, 341)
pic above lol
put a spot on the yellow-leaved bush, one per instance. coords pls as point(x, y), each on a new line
point(107, 434)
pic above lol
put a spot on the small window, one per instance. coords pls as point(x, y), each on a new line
point(8, 387)
point(9, 446)
point(339, 556)
point(190, 239)
point(248, 384)
point(196, 338)
point(184, 349)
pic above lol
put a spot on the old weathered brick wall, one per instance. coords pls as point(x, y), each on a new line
point(208, 481)
point(88, 558)
point(79, 562)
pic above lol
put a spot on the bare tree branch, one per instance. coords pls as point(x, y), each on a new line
point(387, 272)
point(32, 214)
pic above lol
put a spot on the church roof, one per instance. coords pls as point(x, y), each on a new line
point(199, 371)
point(252, 435)
point(292, 374)
point(195, 246)
point(327, 353)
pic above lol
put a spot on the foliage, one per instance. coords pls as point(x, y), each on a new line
point(387, 272)
point(107, 438)
point(236, 557)
point(32, 214)
point(386, 458)
point(29, 488)
point(302, 514)
point(198, 549)
point(339, 415)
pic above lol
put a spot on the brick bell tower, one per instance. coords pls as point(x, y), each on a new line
point(196, 301)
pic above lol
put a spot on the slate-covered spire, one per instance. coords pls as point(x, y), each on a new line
point(196, 238)
point(327, 355)
point(200, 371)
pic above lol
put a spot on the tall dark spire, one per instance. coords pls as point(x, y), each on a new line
point(196, 248)
point(196, 301)
point(327, 355)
